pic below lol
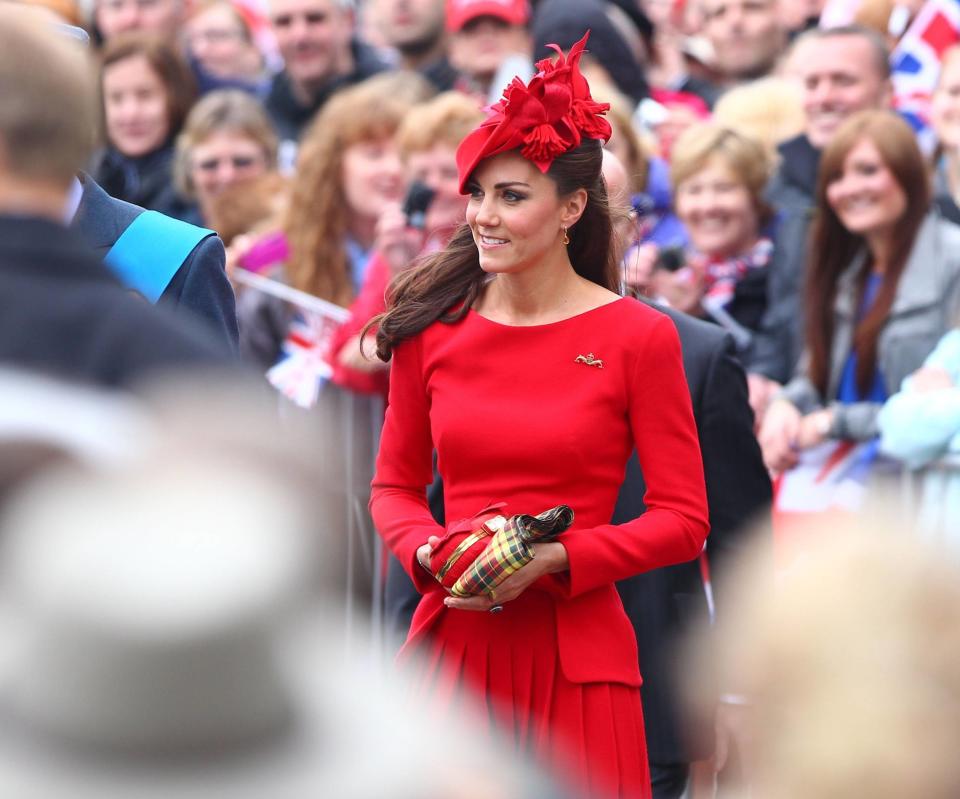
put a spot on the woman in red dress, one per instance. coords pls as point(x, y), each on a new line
point(515, 358)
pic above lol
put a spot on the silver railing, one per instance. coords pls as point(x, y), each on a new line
point(349, 428)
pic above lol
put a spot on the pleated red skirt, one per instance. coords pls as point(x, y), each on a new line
point(588, 735)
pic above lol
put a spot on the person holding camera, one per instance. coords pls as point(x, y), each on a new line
point(347, 175)
point(423, 223)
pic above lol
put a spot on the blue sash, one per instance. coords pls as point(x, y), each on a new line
point(151, 250)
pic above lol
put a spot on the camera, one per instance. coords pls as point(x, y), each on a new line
point(670, 259)
point(415, 204)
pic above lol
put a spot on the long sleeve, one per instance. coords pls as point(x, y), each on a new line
point(398, 499)
point(202, 287)
point(920, 427)
point(675, 525)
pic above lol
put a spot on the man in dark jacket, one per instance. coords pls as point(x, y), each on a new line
point(321, 55)
point(843, 70)
point(199, 287)
point(664, 604)
point(62, 312)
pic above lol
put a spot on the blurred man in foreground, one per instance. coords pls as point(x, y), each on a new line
point(61, 310)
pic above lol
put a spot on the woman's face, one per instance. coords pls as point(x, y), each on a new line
point(135, 106)
point(717, 210)
point(945, 108)
point(515, 214)
point(372, 178)
point(222, 159)
point(437, 168)
point(866, 196)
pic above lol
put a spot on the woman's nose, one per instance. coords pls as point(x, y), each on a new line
point(487, 214)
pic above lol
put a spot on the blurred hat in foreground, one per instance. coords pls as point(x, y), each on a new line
point(161, 635)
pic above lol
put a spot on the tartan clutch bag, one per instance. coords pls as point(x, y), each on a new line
point(509, 548)
point(463, 542)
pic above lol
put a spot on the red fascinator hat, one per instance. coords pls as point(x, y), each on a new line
point(548, 117)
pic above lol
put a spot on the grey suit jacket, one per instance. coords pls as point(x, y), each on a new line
point(924, 308)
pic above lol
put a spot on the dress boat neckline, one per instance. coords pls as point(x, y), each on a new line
point(589, 311)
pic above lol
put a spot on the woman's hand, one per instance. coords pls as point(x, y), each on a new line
point(682, 289)
point(761, 390)
point(396, 240)
point(548, 558)
point(814, 428)
point(425, 551)
point(778, 435)
point(239, 247)
point(361, 355)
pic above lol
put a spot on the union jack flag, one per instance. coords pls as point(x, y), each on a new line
point(830, 481)
point(915, 63)
point(303, 368)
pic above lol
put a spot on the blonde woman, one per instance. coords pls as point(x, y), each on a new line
point(226, 139)
point(718, 177)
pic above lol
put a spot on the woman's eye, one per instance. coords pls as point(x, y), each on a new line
point(512, 196)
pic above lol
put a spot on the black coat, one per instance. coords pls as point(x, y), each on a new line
point(146, 181)
point(63, 313)
point(792, 192)
point(290, 117)
point(663, 604)
point(200, 288)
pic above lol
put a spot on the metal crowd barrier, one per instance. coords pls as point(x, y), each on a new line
point(349, 427)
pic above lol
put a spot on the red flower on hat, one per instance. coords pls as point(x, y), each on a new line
point(545, 118)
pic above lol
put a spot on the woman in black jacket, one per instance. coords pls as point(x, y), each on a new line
point(147, 90)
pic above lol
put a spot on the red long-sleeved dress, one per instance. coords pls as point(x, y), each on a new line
point(517, 416)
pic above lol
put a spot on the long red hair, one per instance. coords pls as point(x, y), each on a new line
point(833, 247)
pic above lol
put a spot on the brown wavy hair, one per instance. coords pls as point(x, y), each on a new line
point(167, 64)
point(318, 216)
point(833, 247)
point(445, 285)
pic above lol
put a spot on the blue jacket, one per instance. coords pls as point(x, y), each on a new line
point(199, 288)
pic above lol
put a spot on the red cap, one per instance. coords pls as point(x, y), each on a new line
point(460, 12)
point(546, 118)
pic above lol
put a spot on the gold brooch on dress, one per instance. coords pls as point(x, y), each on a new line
point(589, 360)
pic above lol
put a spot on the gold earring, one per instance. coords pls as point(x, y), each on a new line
point(566, 238)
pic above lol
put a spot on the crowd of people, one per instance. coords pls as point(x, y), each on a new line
point(692, 242)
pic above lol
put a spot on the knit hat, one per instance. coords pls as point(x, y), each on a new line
point(564, 21)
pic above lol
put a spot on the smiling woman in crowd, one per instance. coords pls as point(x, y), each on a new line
point(883, 286)
point(147, 89)
point(348, 174)
point(718, 178)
